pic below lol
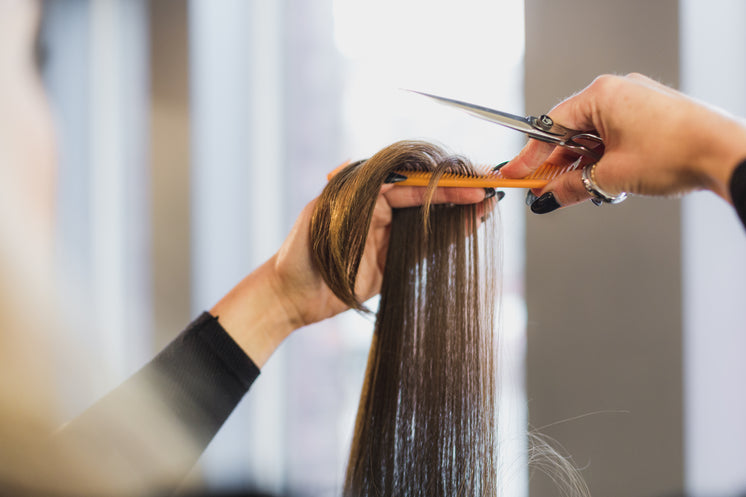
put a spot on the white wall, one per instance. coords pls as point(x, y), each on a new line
point(713, 68)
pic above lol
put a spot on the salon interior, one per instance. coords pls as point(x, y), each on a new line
point(190, 134)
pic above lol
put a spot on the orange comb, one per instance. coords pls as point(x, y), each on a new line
point(484, 177)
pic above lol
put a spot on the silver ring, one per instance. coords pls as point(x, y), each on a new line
point(589, 182)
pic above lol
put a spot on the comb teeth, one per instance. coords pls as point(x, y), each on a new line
point(485, 177)
point(484, 169)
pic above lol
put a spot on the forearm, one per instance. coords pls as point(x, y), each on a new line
point(255, 315)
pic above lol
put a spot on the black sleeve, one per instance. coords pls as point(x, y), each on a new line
point(202, 375)
point(738, 191)
point(154, 426)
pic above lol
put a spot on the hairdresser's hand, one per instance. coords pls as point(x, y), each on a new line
point(287, 292)
point(658, 142)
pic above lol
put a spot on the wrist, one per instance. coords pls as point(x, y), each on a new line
point(724, 150)
point(254, 314)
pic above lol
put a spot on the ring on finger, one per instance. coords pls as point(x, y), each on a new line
point(599, 195)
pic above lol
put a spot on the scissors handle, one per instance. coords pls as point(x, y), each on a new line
point(575, 143)
point(580, 142)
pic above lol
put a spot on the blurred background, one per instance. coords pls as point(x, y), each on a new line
point(190, 136)
point(191, 133)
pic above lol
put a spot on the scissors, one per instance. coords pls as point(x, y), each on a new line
point(541, 128)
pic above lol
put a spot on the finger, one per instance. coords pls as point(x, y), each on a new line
point(528, 160)
point(568, 189)
point(577, 112)
point(412, 196)
point(564, 191)
point(560, 157)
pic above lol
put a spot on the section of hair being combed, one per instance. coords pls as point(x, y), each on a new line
point(426, 419)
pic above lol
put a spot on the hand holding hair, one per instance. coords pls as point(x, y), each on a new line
point(287, 292)
point(658, 142)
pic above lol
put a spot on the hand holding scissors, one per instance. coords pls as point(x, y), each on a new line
point(656, 141)
point(574, 143)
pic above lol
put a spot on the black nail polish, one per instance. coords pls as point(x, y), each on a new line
point(545, 203)
point(500, 195)
point(530, 198)
point(489, 193)
point(394, 178)
point(597, 202)
point(499, 166)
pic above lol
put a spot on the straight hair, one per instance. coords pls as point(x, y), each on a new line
point(426, 421)
point(427, 418)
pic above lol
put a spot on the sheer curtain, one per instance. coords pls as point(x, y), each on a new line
point(96, 77)
point(280, 93)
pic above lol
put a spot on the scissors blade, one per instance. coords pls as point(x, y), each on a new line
point(518, 123)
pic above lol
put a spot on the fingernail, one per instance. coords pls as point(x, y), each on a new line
point(545, 203)
point(499, 166)
point(489, 193)
point(530, 198)
point(597, 202)
point(394, 178)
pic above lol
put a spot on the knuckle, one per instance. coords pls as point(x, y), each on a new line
point(636, 76)
point(604, 83)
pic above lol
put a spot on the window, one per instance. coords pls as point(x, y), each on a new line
point(279, 94)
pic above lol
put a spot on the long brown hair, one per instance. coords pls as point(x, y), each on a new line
point(426, 420)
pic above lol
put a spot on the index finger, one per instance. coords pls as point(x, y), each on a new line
point(528, 160)
point(412, 196)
